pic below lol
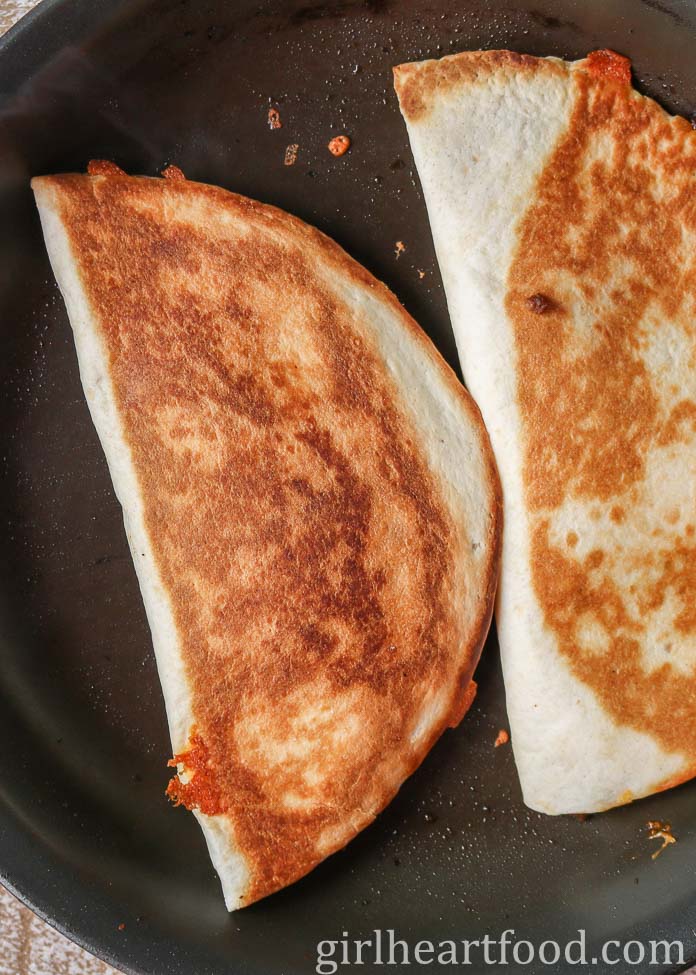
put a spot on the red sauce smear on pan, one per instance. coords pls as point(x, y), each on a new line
point(201, 791)
point(609, 64)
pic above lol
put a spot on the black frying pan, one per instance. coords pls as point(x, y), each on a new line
point(86, 835)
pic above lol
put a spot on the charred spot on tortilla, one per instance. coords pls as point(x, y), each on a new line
point(658, 830)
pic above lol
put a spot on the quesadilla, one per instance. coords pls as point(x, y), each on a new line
point(310, 499)
point(563, 209)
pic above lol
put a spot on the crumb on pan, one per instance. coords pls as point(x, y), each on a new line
point(291, 154)
point(200, 789)
point(658, 830)
point(502, 739)
point(399, 248)
point(539, 303)
point(463, 705)
point(609, 64)
point(274, 119)
point(104, 167)
point(339, 145)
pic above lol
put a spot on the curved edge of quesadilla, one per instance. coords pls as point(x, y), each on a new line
point(452, 436)
point(500, 133)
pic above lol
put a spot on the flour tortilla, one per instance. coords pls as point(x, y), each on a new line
point(310, 499)
point(563, 208)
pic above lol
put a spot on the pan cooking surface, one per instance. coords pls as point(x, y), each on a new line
point(86, 835)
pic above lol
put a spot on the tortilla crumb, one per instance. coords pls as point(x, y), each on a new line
point(274, 119)
point(399, 248)
point(660, 831)
point(339, 145)
point(121, 926)
point(421, 275)
point(502, 739)
point(291, 154)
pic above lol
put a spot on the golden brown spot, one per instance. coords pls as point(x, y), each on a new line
point(291, 154)
point(631, 695)
point(676, 574)
point(274, 119)
point(680, 425)
point(614, 218)
point(594, 559)
point(467, 698)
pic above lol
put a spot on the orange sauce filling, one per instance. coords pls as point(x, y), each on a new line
point(201, 791)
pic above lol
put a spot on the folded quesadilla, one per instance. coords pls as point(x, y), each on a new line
point(563, 208)
point(310, 500)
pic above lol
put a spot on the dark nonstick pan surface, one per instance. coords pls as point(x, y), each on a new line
point(86, 835)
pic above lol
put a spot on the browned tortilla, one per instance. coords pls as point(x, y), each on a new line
point(329, 581)
point(566, 233)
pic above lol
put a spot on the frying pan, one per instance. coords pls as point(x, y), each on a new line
point(87, 838)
